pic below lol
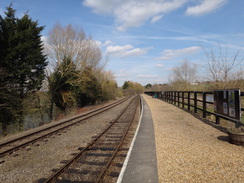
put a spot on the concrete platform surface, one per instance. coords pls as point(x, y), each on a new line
point(141, 163)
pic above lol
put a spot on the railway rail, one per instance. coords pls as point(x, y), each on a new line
point(92, 163)
point(13, 145)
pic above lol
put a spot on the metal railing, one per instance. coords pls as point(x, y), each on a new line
point(197, 102)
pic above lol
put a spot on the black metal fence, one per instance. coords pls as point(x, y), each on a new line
point(197, 102)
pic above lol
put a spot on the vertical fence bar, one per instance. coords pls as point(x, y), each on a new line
point(195, 102)
point(217, 119)
point(188, 100)
point(204, 105)
point(183, 100)
point(167, 96)
point(178, 98)
point(174, 98)
point(171, 98)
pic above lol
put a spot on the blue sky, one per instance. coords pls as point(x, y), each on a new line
point(145, 39)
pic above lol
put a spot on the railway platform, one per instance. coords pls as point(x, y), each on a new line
point(141, 163)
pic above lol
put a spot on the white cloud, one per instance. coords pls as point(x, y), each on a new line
point(205, 7)
point(104, 6)
point(125, 51)
point(170, 54)
point(44, 42)
point(133, 13)
point(168, 69)
point(156, 18)
point(99, 43)
point(159, 65)
point(106, 43)
point(118, 49)
point(44, 39)
point(146, 76)
point(121, 74)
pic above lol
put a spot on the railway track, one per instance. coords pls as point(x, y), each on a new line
point(92, 163)
point(13, 145)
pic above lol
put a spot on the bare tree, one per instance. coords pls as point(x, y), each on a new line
point(220, 68)
point(65, 42)
point(91, 55)
point(72, 42)
point(184, 75)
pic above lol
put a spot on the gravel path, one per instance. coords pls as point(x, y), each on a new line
point(189, 150)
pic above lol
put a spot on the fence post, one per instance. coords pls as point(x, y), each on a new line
point(167, 96)
point(174, 97)
point(171, 98)
point(217, 119)
point(188, 100)
point(195, 102)
point(178, 98)
point(183, 100)
point(204, 107)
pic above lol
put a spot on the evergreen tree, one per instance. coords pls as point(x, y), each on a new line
point(9, 103)
point(148, 86)
point(126, 85)
point(23, 52)
point(21, 55)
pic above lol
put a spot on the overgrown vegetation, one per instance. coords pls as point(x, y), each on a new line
point(75, 76)
point(78, 77)
point(131, 88)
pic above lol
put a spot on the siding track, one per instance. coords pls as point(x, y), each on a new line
point(13, 145)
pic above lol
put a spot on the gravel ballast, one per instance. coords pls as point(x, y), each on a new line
point(189, 150)
point(37, 161)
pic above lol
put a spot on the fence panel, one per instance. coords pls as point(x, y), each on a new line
point(201, 101)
